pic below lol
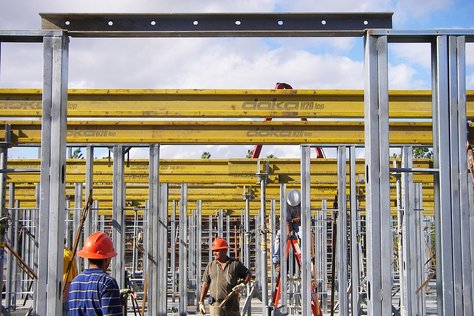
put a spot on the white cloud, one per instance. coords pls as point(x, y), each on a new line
point(403, 77)
point(413, 53)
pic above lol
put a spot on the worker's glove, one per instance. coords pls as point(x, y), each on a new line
point(124, 293)
point(202, 309)
point(239, 287)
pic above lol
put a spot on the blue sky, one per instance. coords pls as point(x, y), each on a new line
point(305, 63)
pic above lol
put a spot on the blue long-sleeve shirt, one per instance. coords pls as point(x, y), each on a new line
point(94, 292)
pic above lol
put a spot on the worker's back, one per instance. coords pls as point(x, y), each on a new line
point(94, 292)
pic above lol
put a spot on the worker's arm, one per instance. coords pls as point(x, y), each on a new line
point(204, 289)
point(248, 278)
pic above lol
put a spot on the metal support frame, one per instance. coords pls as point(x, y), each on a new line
point(183, 251)
point(53, 160)
point(342, 232)
point(156, 239)
point(118, 217)
point(283, 234)
point(262, 173)
point(305, 228)
point(3, 213)
point(88, 226)
point(173, 251)
point(199, 240)
point(354, 224)
point(377, 177)
point(162, 249)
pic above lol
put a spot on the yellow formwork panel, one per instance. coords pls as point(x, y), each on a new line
point(220, 103)
point(218, 132)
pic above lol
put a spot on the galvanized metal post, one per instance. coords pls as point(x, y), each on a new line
point(420, 249)
point(283, 241)
point(324, 256)
point(379, 237)
point(305, 228)
point(118, 216)
point(263, 176)
point(355, 251)
point(198, 248)
point(342, 231)
point(183, 251)
point(441, 156)
point(272, 242)
point(161, 245)
point(88, 225)
point(53, 160)
point(408, 264)
point(459, 159)
point(152, 227)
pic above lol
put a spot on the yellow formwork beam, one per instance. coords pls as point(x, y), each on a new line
point(232, 208)
point(234, 171)
point(207, 193)
point(220, 103)
point(218, 132)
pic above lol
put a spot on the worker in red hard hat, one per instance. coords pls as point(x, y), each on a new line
point(223, 276)
point(94, 291)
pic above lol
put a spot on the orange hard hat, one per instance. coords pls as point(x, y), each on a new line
point(219, 244)
point(98, 246)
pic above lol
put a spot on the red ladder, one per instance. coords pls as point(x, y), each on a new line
point(315, 307)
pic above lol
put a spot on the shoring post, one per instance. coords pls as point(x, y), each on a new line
point(263, 169)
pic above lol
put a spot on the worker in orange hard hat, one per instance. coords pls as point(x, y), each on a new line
point(223, 277)
point(94, 292)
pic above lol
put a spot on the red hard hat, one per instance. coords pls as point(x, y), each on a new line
point(98, 246)
point(219, 244)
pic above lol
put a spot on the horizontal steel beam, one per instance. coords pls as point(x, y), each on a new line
point(218, 132)
point(34, 36)
point(216, 24)
point(129, 103)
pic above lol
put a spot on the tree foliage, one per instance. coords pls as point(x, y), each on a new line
point(77, 154)
point(422, 152)
point(206, 155)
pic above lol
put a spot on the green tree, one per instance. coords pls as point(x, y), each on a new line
point(206, 155)
point(422, 152)
point(77, 154)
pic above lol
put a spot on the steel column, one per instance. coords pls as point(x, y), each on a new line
point(161, 243)
point(53, 159)
point(342, 232)
point(262, 173)
point(153, 246)
point(283, 241)
point(118, 216)
point(183, 251)
point(441, 156)
point(89, 175)
point(3, 213)
point(355, 251)
point(379, 237)
point(305, 229)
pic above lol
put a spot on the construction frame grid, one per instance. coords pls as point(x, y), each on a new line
point(452, 206)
